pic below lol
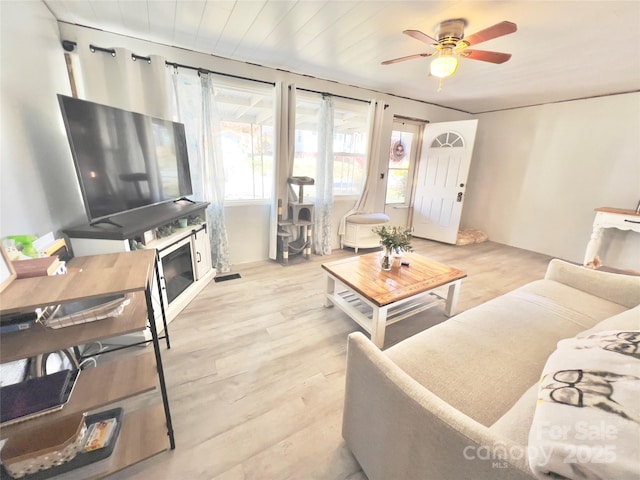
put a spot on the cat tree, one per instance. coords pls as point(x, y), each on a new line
point(298, 222)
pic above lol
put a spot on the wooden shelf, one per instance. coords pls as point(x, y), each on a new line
point(96, 388)
point(40, 339)
point(101, 275)
point(143, 435)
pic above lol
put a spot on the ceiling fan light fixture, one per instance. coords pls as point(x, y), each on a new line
point(445, 64)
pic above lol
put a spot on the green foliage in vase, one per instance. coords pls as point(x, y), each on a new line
point(396, 239)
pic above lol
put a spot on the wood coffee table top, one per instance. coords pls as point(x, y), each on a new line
point(364, 275)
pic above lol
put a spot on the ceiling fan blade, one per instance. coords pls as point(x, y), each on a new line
point(498, 30)
point(423, 37)
point(485, 56)
point(408, 57)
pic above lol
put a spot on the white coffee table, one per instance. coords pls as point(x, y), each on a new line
point(375, 298)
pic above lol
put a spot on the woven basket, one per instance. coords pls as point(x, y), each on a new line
point(34, 450)
point(50, 317)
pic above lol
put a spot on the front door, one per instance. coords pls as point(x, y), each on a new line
point(442, 178)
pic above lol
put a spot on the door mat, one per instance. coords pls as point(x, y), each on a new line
point(224, 278)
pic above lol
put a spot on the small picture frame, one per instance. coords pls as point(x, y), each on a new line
point(148, 236)
point(7, 272)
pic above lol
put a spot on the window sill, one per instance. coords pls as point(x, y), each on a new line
point(249, 203)
point(246, 203)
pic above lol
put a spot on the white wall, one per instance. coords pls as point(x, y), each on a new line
point(539, 172)
point(39, 192)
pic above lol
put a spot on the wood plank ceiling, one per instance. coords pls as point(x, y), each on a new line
point(562, 50)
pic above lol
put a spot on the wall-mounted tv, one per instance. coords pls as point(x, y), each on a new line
point(124, 160)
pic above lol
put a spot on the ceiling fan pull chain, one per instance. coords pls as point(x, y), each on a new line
point(440, 86)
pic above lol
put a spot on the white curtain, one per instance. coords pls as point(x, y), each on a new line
point(120, 81)
point(193, 101)
point(285, 143)
point(324, 179)
point(366, 201)
point(213, 175)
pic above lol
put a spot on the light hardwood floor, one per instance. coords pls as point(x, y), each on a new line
point(256, 370)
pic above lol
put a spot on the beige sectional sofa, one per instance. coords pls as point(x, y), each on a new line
point(448, 402)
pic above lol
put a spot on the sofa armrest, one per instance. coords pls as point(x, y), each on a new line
point(617, 288)
point(396, 428)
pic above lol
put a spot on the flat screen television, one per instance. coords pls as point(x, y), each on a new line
point(124, 160)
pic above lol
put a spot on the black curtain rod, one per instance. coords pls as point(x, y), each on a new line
point(204, 71)
point(94, 49)
point(70, 46)
point(200, 70)
point(135, 57)
point(332, 95)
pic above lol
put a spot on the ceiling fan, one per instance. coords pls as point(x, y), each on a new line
point(450, 44)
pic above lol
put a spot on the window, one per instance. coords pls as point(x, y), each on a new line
point(402, 157)
point(245, 112)
point(447, 140)
point(247, 140)
point(350, 138)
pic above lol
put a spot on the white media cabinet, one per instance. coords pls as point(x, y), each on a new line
point(181, 278)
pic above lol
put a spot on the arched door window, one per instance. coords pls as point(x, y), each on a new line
point(447, 140)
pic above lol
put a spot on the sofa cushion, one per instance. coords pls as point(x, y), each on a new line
point(583, 309)
point(368, 218)
point(461, 361)
point(627, 320)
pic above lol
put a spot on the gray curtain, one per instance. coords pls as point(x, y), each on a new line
point(285, 144)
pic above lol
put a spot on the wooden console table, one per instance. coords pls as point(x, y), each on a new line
point(607, 217)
